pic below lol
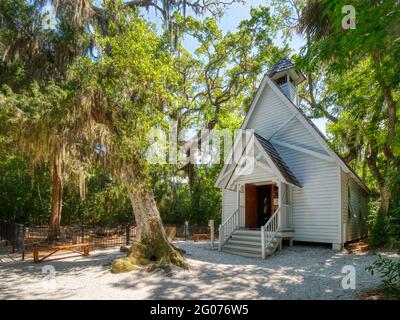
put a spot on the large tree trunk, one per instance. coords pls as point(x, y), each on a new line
point(385, 197)
point(56, 203)
point(151, 247)
point(383, 185)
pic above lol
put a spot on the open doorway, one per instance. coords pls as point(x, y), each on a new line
point(259, 204)
point(264, 204)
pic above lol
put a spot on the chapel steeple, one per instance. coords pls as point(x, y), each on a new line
point(287, 77)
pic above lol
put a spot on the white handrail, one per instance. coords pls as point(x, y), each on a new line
point(269, 230)
point(226, 229)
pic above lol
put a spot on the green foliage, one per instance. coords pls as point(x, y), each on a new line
point(393, 218)
point(389, 271)
point(393, 226)
point(129, 88)
point(172, 193)
point(362, 86)
point(385, 229)
point(25, 197)
point(229, 66)
point(177, 203)
point(376, 225)
point(106, 202)
point(206, 199)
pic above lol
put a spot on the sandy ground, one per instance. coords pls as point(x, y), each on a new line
point(298, 272)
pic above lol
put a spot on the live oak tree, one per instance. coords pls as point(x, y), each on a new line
point(215, 86)
point(128, 89)
point(232, 70)
point(108, 127)
point(90, 100)
point(35, 123)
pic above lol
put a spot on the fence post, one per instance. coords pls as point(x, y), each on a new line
point(128, 234)
point(23, 241)
point(263, 242)
point(83, 234)
point(14, 237)
point(211, 225)
point(221, 237)
point(186, 229)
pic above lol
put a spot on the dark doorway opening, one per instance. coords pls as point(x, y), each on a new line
point(264, 204)
point(259, 204)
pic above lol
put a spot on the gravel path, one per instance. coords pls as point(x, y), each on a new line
point(298, 272)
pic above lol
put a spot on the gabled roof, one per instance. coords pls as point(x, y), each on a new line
point(277, 160)
point(286, 66)
point(339, 159)
point(307, 123)
point(267, 152)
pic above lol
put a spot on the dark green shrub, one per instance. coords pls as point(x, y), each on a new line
point(376, 225)
point(389, 271)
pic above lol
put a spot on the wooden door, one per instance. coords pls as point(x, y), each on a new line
point(274, 195)
point(251, 206)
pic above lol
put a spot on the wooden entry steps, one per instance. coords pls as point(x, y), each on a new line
point(54, 249)
point(247, 243)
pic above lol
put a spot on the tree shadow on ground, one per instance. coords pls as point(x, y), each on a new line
point(293, 273)
point(298, 272)
point(18, 277)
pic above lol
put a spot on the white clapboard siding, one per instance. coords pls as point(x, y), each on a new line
point(228, 203)
point(295, 133)
point(257, 175)
point(316, 205)
point(355, 224)
point(270, 113)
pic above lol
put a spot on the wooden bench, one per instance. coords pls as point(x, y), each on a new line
point(200, 236)
point(54, 249)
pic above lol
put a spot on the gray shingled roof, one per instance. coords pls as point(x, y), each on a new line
point(278, 161)
point(282, 65)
